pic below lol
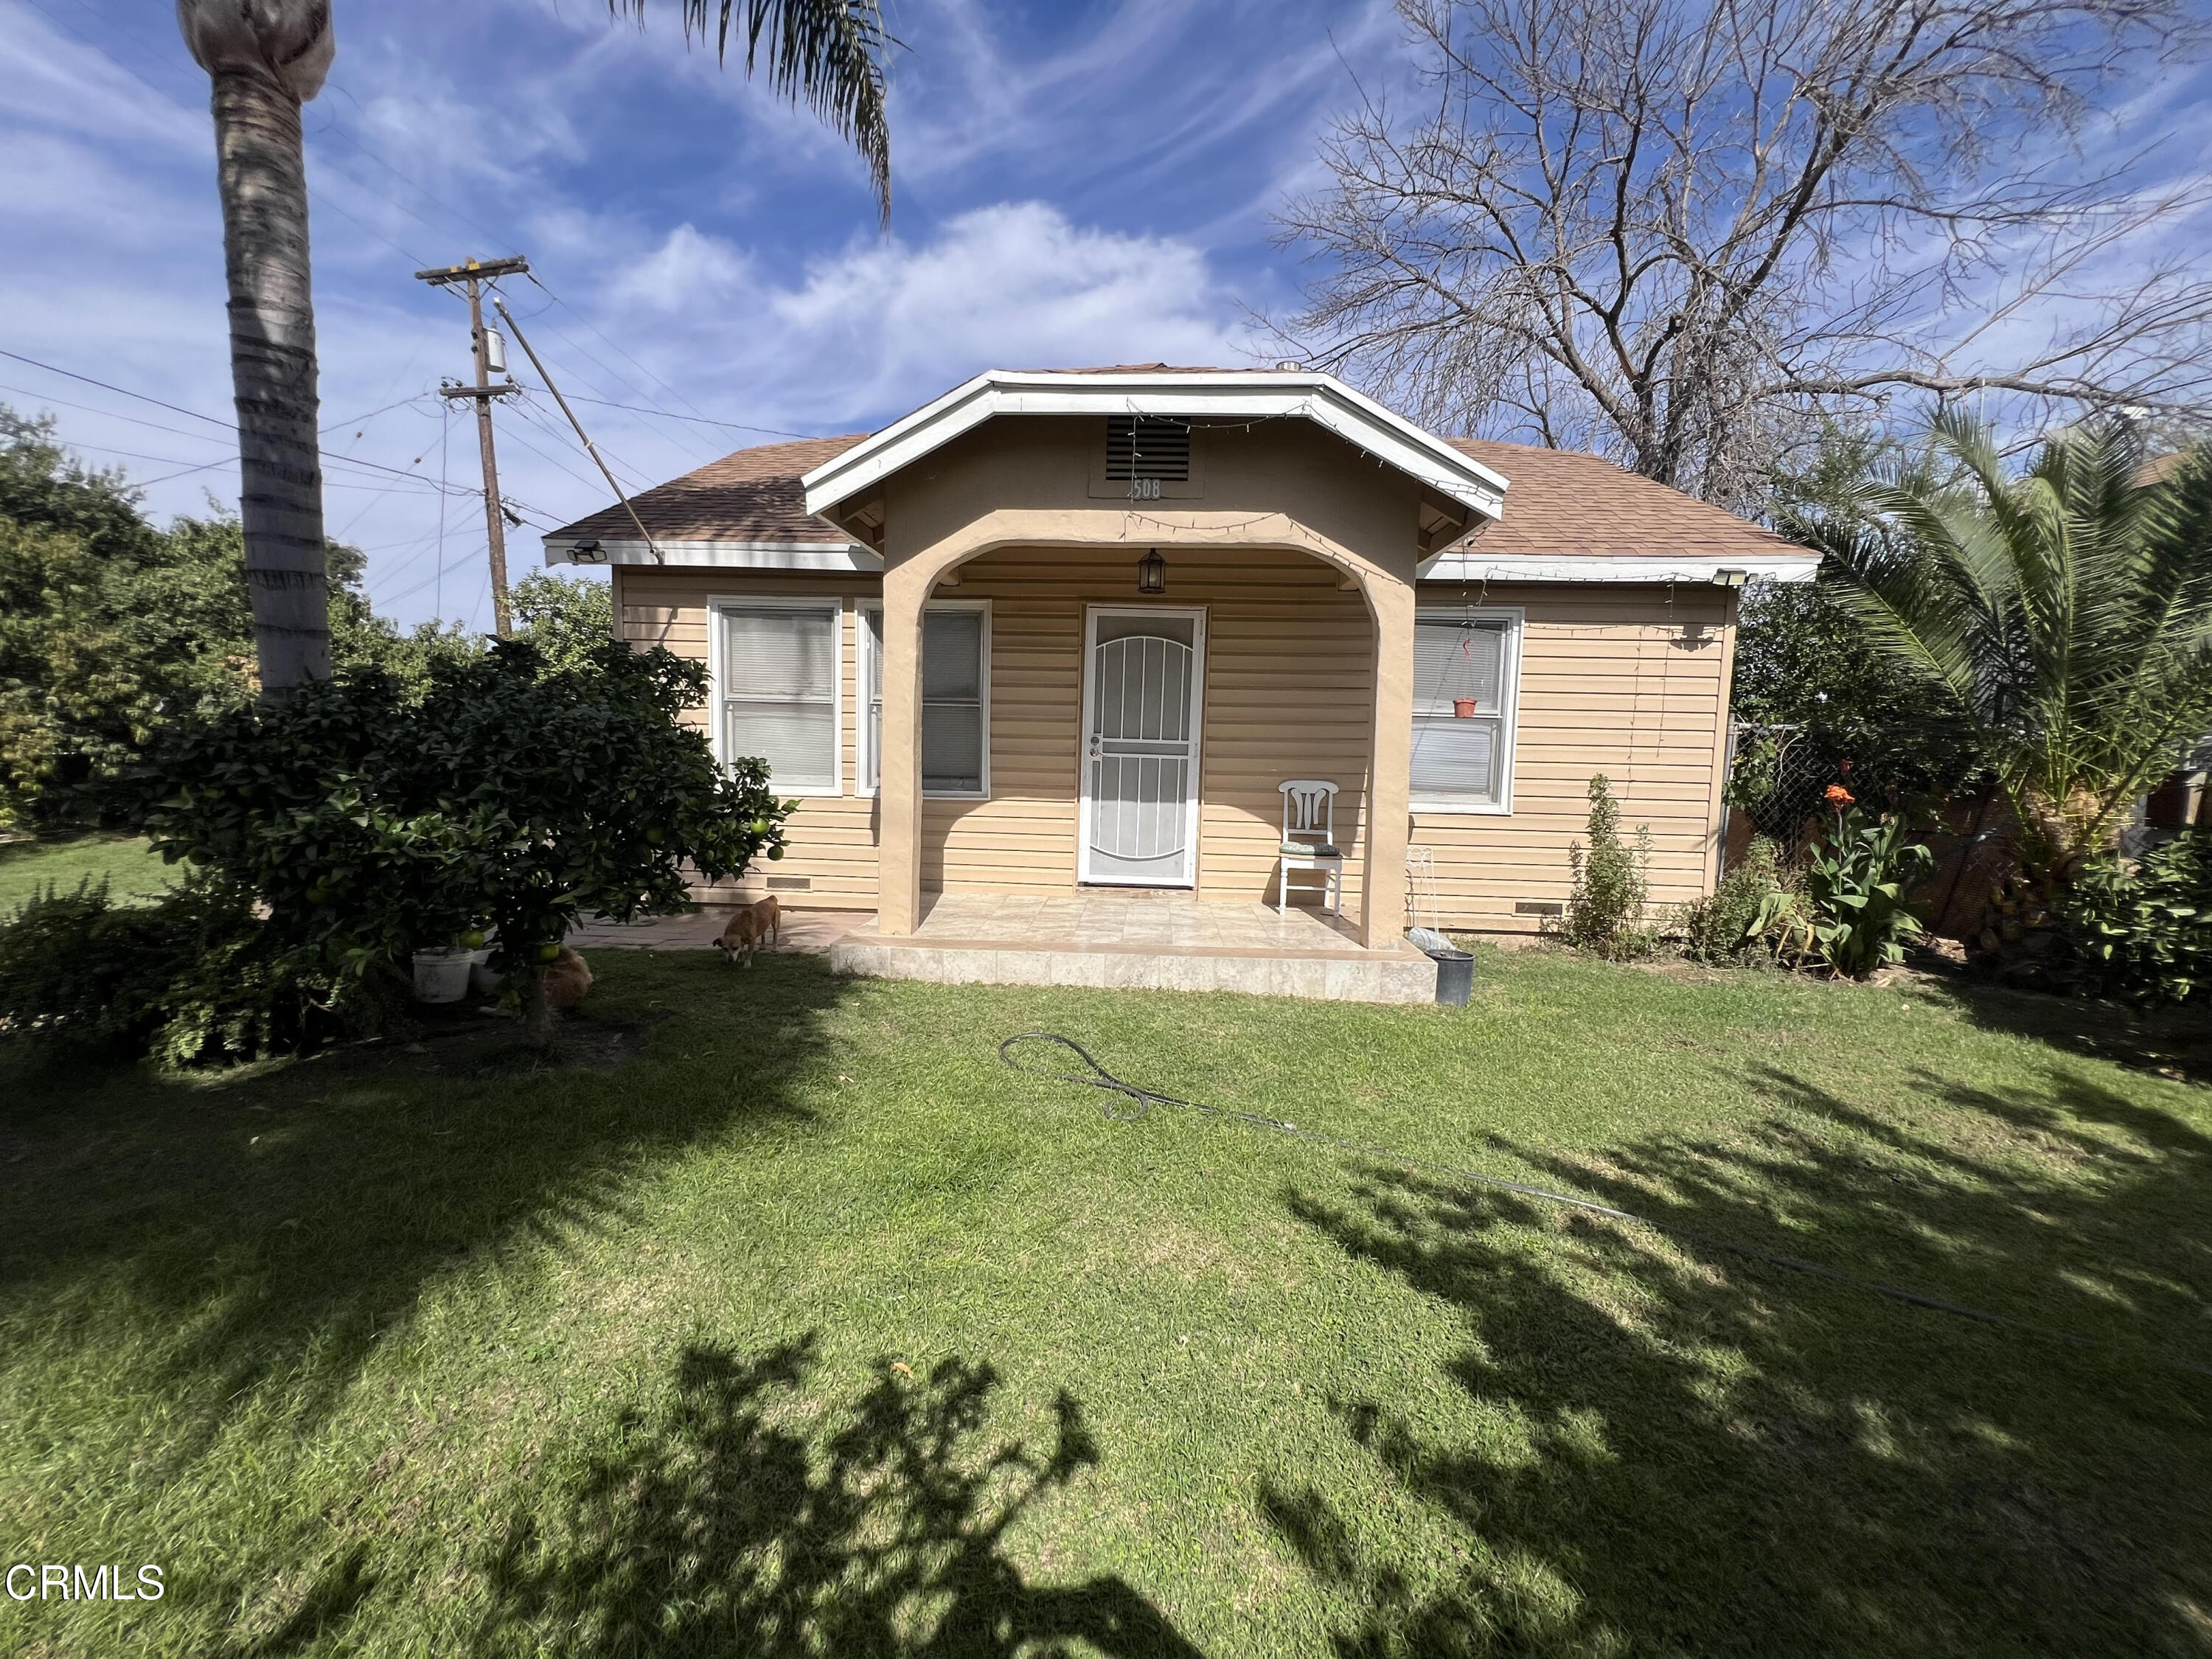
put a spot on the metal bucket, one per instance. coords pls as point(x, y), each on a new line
point(1455, 977)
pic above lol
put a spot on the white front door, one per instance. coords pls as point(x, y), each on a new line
point(1144, 680)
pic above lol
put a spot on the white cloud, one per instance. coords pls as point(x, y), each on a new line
point(885, 325)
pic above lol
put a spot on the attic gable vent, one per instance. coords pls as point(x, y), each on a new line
point(1139, 448)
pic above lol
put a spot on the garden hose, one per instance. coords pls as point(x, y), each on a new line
point(1141, 1102)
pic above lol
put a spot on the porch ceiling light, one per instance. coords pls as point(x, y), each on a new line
point(1152, 573)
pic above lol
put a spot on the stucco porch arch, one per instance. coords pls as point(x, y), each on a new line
point(909, 580)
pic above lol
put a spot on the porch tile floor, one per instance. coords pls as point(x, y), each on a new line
point(1138, 939)
point(809, 932)
point(1132, 919)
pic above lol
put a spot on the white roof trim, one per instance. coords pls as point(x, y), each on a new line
point(724, 555)
point(1600, 567)
point(1321, 398)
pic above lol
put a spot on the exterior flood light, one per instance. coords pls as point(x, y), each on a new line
point(1730, 578)
point(586, 552)
point(1152, 573)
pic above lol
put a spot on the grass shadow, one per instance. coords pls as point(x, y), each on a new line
point(723, 1528)
point(1682, 1450)
point(270, 1226)
point(2171, 1041)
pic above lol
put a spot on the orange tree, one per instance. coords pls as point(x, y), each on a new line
point(506, 796)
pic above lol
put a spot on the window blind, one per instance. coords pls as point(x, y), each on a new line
point(1455, 757)
point(1454, 659)
point(953, 676)
point(952, 701)
point(1460, 759)
point(780, 691)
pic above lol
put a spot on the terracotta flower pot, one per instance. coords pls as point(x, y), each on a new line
point(1463, 709)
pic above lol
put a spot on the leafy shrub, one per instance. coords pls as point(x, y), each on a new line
point(564, 616)
point(507, 796)
point(2142, 930)
point(110, 629)
point(1849, 913)
point(197, 977)
point(76, 968)
point(1723, 927)
point(1611, 885)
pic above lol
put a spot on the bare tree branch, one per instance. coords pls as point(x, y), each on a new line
point(1691, 232)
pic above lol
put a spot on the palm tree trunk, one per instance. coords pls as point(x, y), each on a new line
point(263, 173)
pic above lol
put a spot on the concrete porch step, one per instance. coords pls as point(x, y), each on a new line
point(1400, 975)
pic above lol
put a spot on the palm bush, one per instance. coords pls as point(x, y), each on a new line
point(2063, 616)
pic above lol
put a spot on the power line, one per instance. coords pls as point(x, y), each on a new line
point(333, 130)
point(109, 414)
point(373, 413)
point(445, 431)
point(595, 329)
point(523, 340)
point(635, 479)
point(329, 458)
point(682, 438)
point(703, 420)
point(177, 409)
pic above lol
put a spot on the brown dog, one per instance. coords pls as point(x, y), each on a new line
point(566, 979)
point(749, 926)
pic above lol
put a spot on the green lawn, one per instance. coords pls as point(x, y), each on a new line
point(27, 867)
point(793, 1323)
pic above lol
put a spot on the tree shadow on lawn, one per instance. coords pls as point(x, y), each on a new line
point(1690, 1451)
point(722, 1528)
point(271, 1227)
point(2172, 1042)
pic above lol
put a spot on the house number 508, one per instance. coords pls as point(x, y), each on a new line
point(1144, 490)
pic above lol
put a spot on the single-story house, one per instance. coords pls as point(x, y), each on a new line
point(1067, 631)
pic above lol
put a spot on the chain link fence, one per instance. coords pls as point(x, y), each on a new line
point(1778, 779)
point(1778, 782)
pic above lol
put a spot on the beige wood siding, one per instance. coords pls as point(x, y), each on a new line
point(833, 838)
point(1286, 696)
point(1630, 681)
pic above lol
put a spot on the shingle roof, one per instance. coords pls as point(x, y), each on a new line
point(753, 496)
point(1561, 502)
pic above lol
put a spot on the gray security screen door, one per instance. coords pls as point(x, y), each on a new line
point(1144, 676)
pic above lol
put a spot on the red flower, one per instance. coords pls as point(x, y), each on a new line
point(1838, 796)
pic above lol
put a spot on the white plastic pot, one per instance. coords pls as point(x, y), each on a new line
point(442, 975)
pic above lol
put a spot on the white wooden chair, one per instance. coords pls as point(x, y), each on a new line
point(1310, 841)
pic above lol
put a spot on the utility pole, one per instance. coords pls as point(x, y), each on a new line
point(469, 276)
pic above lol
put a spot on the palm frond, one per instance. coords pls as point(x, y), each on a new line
point(2067, 609)
point(830, 55)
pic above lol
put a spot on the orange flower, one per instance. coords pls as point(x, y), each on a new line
point(1839, 796)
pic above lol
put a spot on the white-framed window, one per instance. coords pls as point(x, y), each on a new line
point(1466, 685)
point(956, 698)
point(777, 667)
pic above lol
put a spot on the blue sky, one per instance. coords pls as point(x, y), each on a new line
point(1074, 183)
